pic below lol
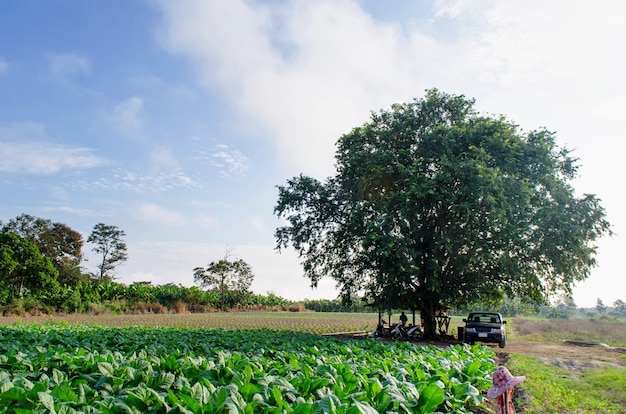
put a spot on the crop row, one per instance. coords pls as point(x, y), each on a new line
point(68, 369)
point(312, 322)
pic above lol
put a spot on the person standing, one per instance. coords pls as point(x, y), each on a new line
point(403, 319)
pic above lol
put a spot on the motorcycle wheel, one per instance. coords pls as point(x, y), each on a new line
point(396, 336)
point(417, 336)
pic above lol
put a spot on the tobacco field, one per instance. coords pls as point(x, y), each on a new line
point(99, 369)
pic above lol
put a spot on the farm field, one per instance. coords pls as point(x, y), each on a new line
point(561, 378)
point(65, 368)
point(311, 322)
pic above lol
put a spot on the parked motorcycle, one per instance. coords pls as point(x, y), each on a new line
point(382, 330)
point(411, 332)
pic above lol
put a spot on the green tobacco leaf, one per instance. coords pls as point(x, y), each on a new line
point(57, 376)
point(188, 402)
point(248, 389)
point(326, 405)
point(106, 368)
point(14, 394)
point(64, 393)
point(472, 368)
point(47, 401)
point(201, 393)
point(361, 408)
point(431, 398)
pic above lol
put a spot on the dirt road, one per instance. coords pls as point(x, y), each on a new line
point(564, 355)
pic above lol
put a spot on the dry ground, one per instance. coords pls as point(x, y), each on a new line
point(566, 356)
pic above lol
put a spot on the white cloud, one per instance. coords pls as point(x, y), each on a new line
point(25, 149)
point(74, 211)
point(229, 161)
point(306, 72)
point(145, 182)
point(159, 215)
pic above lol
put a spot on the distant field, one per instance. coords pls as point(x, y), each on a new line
point(313, 322)
point(611, 332)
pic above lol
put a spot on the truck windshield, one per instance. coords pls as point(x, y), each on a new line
point(484, 318)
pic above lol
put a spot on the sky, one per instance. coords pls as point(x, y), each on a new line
point(176, 120)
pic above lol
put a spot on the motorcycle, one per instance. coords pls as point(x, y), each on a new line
point(412, 332)
point(382, 331)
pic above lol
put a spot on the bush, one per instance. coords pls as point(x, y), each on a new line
point(297, 307)
point(179, 307)
point(148, 307)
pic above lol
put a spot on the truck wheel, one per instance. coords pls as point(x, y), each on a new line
point(502, 343)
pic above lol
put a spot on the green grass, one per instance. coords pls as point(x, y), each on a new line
point(549, 389)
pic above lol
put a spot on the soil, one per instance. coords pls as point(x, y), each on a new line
point(568, 356)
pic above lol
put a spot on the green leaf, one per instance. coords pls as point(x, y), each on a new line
point(278, 397)
point(64, 393)
point(361, 408)
point(47, 401)
point(430, 398)
point(326, 405)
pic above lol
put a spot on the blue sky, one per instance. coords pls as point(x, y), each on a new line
point(176, 120)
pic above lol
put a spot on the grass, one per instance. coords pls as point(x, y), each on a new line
point(610, 332)
point(549, 389)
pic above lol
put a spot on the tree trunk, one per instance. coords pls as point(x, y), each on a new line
point(427, 313)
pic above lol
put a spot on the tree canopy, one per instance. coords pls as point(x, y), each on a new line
point(24, 269)
point(435, 204)
point(108, 242)
point(227, 277)
point(56, 241)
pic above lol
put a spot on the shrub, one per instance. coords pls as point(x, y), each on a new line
point(179, 307)
point(297, 307)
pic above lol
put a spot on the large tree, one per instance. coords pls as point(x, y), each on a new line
point(108, 243)
point(435, 204)
point(56, 241)
point(232, 277)
point(24, 269)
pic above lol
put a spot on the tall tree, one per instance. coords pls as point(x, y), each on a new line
point(56, 241)
point(434, 204)
point(24, 269)
point(109, 243)
point(227, 277)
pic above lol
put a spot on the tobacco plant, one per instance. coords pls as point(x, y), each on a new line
point(87, 369)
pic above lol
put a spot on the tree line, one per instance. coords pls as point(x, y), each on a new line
point(41, 272)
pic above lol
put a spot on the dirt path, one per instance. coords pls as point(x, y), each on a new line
point(566, 356)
